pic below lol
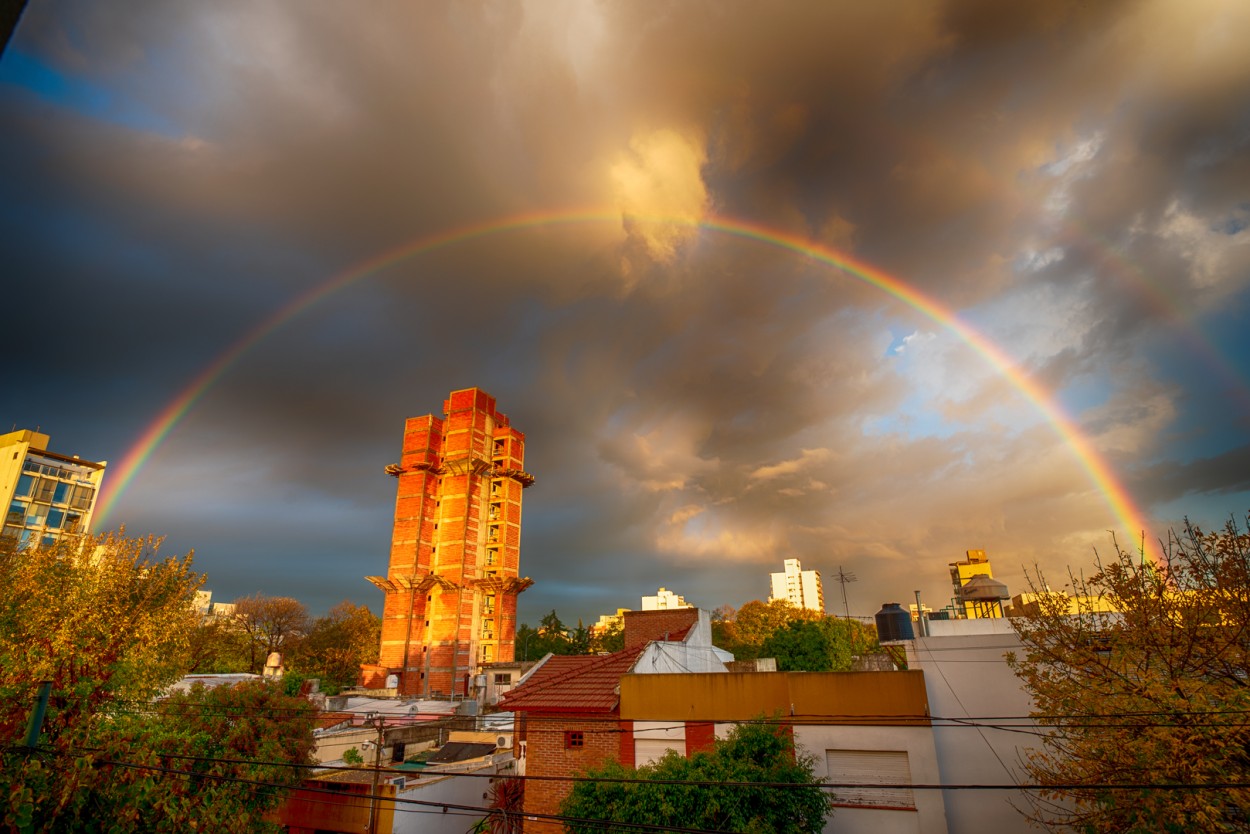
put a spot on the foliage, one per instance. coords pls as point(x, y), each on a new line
point(505, 798)
point(1155, 693)
point(754, 623)
point(102, 618)
point(609, 639)
point(800, 639)
point(759, 753)
point(352, 756)
point(269, 624)
point(830, 644)
point(336, 645)
point(107, 622)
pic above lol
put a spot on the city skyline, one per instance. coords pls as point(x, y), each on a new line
point(755, 287)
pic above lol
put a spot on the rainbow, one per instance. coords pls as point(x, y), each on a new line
point(1121, 503)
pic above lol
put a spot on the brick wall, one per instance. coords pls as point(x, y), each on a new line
point(644, 626)
point(547, 755)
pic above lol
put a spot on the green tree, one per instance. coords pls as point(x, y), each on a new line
point(610, 639)
point(751, 753)
point(830, 644)
point(106, 621)
point(745, 631)
point(337, 644)
point(1143, 676)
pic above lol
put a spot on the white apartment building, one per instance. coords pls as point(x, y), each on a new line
point(664, 600)
point(802, 588)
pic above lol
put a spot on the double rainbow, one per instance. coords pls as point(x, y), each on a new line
point(1130, 518)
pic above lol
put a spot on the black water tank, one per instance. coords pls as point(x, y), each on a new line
point(893, 623)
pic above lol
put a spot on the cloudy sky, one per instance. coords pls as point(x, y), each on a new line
point(1071, 180)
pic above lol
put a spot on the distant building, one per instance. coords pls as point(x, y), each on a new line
point(48, 494)
point(801, 588)
point(610, 621)
point(454, 574)
point(664, 600)
point(976, 594)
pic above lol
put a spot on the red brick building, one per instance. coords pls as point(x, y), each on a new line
point(568, 708)
point(454, 574)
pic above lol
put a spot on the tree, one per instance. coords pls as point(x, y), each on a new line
point(609, 639)
point(106, 621)
point(551, 637)
point(757, 752)
point(754, 623)
point(1144, 677)
point(337, 644)
point(269, 624)
point(103, 618)
point(830, 644)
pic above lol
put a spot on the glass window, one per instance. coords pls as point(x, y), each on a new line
point(82, 497)
point(11, 533)
point(48, 541)
point(30, 466)
point(24, 485)
point(35, 514)
point(44, 489)
point(73, 522)
point(56, 518)
point(61, 494)
point(17, 512)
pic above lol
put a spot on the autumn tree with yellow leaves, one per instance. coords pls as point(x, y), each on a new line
point(107, 622)
point(1141, 683)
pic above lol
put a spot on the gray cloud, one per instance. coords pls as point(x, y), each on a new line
point(1047, 170)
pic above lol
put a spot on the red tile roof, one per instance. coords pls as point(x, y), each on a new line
point(574, 683)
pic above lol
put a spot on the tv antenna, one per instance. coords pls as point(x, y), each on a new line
point(845, 577)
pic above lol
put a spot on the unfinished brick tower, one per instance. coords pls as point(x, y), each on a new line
point(452, 584)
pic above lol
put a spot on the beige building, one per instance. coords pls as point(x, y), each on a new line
point(48, 494)
point(802, 588)
point(664, 600)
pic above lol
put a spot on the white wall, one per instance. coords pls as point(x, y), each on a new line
point(967, 677)
point(673, 658)
point(917, 742)
point(455, 790)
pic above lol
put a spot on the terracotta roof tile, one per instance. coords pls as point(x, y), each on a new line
point(574, 683)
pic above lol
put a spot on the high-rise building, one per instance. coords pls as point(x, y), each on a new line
point(49, 495)
point(453, 579)
point(664, 600)
point(802, 588)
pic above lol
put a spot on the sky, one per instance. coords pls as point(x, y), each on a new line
point(865, 285)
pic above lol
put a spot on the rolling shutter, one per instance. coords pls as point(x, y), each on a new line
point(870, 767)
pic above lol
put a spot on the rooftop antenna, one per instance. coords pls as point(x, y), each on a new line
point(845, 577)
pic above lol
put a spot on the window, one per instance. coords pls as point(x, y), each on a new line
point(24, 486)
point(56, 518)
point(488, 654)
point(488, 604)
point(488, 629)
point(870, 767)
point(61, 495)
point(17, 512)
point(82, 497)
point(574, 739)
point(503, 678)
point(44, 489)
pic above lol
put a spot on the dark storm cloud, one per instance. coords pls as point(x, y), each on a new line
point(691, 401)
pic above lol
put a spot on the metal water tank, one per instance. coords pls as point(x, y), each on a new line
point(893, 623)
